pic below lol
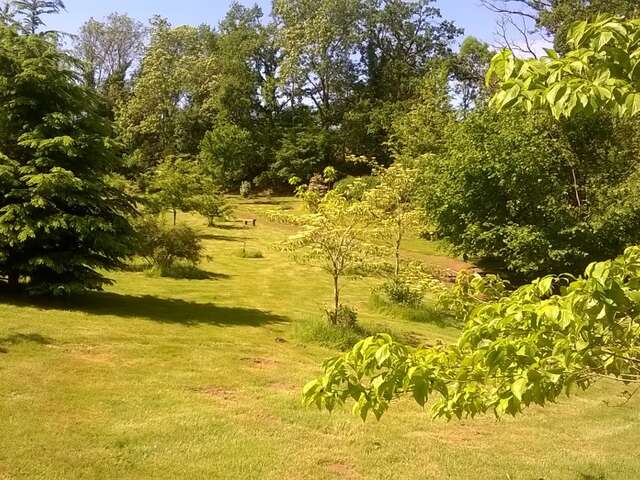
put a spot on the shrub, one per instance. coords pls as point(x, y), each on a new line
point(177, 243)
point(532, 196)
point(401, 292)
point(469, 290)
point(313, 193)
point(245, 189)
point(344, 316)
point(354, 188)
point(163, 246)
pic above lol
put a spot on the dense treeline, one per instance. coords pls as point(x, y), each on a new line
point(264, 103)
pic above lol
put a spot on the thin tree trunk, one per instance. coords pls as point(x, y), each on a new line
point(398, 243)
point(336, 298)
point(175, 215)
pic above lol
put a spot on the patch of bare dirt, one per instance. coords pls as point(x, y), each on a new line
point(89, 354)
point(260, 362)
point(285, 387)
point(340, 469)
point(216, 392)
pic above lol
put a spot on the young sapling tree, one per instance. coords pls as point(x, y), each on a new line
point(393, 208)
point(335, 239)
point(177, 181)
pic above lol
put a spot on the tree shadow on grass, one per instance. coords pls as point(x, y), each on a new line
point(18, 338)
point(589, 476)
point(163, 310)
point(229, 226)
point(424, 313)
point(188, 272)
point(224, 238)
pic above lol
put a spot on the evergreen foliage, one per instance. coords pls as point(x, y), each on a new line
point(61, 220)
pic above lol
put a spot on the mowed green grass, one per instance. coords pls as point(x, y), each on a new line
point(201, 379)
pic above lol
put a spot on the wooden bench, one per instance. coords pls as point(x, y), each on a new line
point(248, 222)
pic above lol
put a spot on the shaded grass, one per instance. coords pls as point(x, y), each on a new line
point(19, 338)
point(426, 313)
point(164, 310)
point(184, 271)
point(320, 331)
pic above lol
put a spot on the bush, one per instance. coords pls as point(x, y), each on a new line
point(313, 193)
point(354, 188)
point(177, 243)
point(469, 290)
point(163, 247)
point(344, 317)
point(245, 189)
point(533, 196)
point(402, 292)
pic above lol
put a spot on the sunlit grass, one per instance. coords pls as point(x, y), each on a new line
point(164, 378)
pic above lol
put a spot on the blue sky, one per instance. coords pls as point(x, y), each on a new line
point(468, 14)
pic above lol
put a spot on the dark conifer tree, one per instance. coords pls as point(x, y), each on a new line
point(61, 220)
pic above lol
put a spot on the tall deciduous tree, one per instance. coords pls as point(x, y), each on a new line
point(421, 130)
point(61, 220)
point(167, 112)
point(399, 41)
point(7, 13)
point(319, 39)
point(109, 49)
point(469, 69)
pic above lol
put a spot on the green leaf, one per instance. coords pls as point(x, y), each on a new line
point(632, 103)
point(577, 33)
point(383, 354)
point(421, 393)
point(511, 96)
point(519, 387)
point(604, 39)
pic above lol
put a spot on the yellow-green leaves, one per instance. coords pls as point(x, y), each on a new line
point(526, 348)
point(601, 71)
point(392, 207)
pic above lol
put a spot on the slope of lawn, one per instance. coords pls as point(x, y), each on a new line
point(164, 379)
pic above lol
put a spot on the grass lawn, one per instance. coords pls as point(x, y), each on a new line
point(201, 379)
